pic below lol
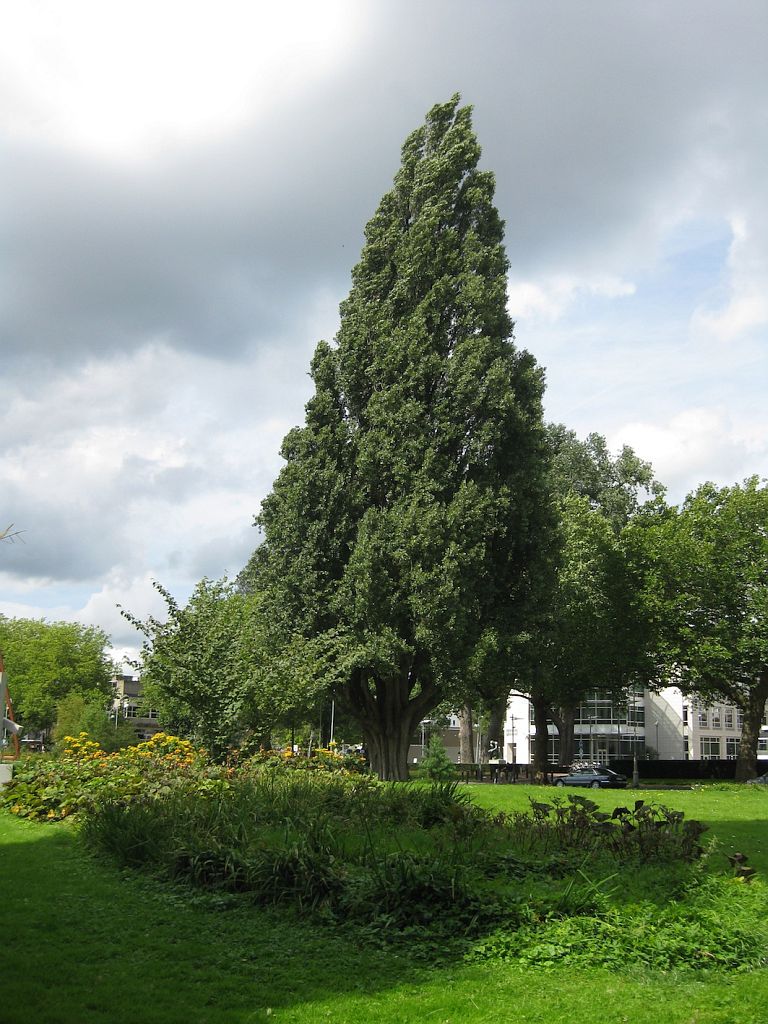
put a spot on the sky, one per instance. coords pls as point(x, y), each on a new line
point(183, 192)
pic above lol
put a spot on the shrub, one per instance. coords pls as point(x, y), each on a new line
point(436, 764)
point(85, 774)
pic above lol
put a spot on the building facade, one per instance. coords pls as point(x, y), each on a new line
point(127, 705)
point(664, 725)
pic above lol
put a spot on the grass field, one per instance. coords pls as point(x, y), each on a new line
point(83, 942)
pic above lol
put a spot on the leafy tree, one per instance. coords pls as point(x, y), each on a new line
point(706, 592)
point(212, 671)
point(77, 713)
point(405, 530)
point(592, 636)
point(45, 661)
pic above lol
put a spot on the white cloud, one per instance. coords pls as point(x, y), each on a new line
point(698, 444)
point(123, 80)
point(747, 305)
point(549, 298)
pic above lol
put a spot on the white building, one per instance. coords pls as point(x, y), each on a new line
point(127, 706)
point(663, 725)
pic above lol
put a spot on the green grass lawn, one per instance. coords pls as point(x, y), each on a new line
point(84, 942)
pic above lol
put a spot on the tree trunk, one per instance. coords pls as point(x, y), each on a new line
point(388, 716)
point(541, 722)
point(496, 729)
point(388, 753)
point(754, 709)
point(565, 720)
point(466, 743)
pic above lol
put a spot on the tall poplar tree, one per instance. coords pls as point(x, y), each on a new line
point(404, 532)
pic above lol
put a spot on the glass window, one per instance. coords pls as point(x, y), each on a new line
point(685, 714)
point(728, 717)
point(703, 718)
point(717, 718)
point(732, 748)
point(709, 747)
point(739, 719)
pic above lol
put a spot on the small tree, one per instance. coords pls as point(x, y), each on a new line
point(213, 670)
point(436, 763)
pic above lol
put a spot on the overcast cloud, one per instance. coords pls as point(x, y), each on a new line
point(184, 188)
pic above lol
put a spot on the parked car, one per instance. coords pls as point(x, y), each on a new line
point(594, 777)
point(761, 780)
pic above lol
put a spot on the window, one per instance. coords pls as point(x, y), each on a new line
point(762, 745)
point(685, 714)
point(131, 711)
point(709, 747)
point(152, 713)
point(716, 718)
point(703, 718)
point(732, 748)
point(635, 714)
point(728, 718)
point(739, 719)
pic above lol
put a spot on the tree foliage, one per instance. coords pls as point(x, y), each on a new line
point(77, 713)
point(617, 486)
point(213, 671)
point(591, 636)
point(45, 661)
point(706, 594)
point(407, 522)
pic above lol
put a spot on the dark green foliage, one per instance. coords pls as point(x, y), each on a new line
point(616, 486)
point(403, 536)
point(592, 631)
point(705, 571)
point(436, 764)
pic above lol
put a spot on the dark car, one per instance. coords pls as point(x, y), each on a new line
point(594, 777)
point(761, 780)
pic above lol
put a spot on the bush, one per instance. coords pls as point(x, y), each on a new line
point(85, 774)
point(436, 764)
